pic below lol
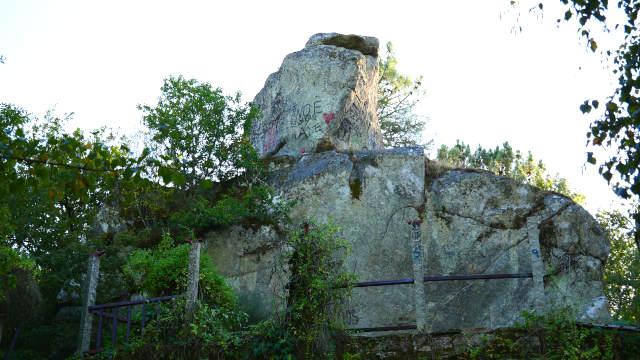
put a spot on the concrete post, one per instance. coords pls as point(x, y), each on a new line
point(636, 235)
point(418, 274)
point(537, 266)
point(89, 299)
point(193, 276)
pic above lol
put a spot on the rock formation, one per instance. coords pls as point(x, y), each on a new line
point(474, 222)
point(324, 97)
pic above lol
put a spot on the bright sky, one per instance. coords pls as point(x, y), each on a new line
point(485, 83)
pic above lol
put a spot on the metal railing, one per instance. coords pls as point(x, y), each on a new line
point(430, 279)
point(102, 311)
point(466, 277)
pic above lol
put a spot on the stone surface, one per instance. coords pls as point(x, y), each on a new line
point(323, 97)
point(479, 226)
point(474, 223)
point(88, 299)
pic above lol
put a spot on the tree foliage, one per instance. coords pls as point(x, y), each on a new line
point(504, 161)
point(199, 135)
point(398, 96)
point(622, 270)
point(65, 194)
point(618, 127)
point(198, 144)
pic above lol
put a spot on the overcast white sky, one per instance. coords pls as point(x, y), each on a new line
point(485, 83)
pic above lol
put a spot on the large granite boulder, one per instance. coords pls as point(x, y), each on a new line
point(323, 97)
point(320, 136)
point(475, 223)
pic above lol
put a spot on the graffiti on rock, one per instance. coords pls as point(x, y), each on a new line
point(296, 122)
point(328, 117)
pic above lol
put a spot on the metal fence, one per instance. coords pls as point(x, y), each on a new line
point(112, 311)
point(429, 279)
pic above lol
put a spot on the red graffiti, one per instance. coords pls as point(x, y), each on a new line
point(328, 117)
point(270, 138)
point(302, 151)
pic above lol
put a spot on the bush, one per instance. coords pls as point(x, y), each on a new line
point(318, 288)
point(162, 271)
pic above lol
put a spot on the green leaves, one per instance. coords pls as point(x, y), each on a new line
point(622, 270)
point(617, 128)
point(398, 96)
point(197, 133)
point(162, 271)
point(178, 179)
point(507, 162)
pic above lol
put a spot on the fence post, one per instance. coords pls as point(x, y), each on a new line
point(193, 276)
point(418, 274)
point(537, 266)
point(89, 299)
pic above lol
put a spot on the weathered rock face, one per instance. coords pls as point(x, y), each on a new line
point(323, 97)
point(475, 223)
point(319, 124)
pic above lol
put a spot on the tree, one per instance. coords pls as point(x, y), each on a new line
point(618, 128)
point(398, 96)
point(56, 186)
point(54, 182)
point(199, 135)
point(505, 162)
point(199, 144)
point(622, 270)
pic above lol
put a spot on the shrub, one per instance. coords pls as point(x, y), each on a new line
point(162, 271)
point(318, 287)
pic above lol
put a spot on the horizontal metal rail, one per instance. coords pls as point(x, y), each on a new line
point(610, 327)
point(413, 327)
point(478, 277)
point(445, 278)
point(385, 328)
point(97, 312)
point(383, 283)
point(127, 303)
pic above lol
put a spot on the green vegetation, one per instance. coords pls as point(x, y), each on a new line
point(555, 335)
point(505, 162)
point(66, 194)
point(617, 128)
point(162, 271)
point(318, 288)
point(310, 326)
point(398, 96)
point(622, 270)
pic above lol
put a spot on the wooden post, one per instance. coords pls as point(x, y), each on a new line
point(418, 274)
point(537, 266)
point(89, 299)
point(193, 276)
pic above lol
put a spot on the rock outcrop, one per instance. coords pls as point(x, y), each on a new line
point(323, 97)
point(474, 222)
